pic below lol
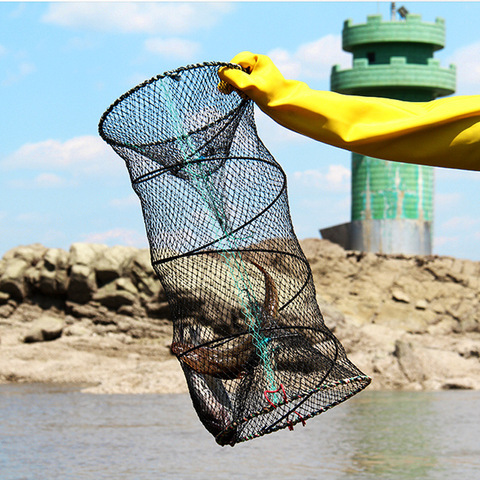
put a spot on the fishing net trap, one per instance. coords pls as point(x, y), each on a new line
point(247, 329)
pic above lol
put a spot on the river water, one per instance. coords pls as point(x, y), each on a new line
point(51, 432)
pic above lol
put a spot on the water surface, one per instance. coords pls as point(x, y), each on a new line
point(58, 433)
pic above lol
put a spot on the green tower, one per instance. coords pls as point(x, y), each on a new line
point(392, 203)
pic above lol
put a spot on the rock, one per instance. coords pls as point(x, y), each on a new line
point(81, 261)
point(126, 285)
point(30, 254)
point(45, 329)
point(4, 297)
point(51, 327)
point(53, 275)
point(444, 327)
point(143, 275)
point(458, 384)
point(150, 287)
point(33, 336)
point(158, 309)
point(331, 316)
point(113, 298)
point(409, 362)
point(112, 263)
point(77, 331)
point(141, 264)
point(12, 280)
point(89, 310)
point(400, 296)
point(81, 284)
point(135, 310)
point(421, 304)
point(7, 309)
point(116, 294)
point(32, 277)
point(468, 348)
point(85, 253)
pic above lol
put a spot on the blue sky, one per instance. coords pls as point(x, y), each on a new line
point(62, 64)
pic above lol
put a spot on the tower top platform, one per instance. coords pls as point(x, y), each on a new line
point(376, 30)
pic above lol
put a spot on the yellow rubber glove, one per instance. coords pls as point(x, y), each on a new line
point(444, 133)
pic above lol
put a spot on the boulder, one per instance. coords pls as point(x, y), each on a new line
point(85, 253)
point(53, 272)
point(409, 362)
point(45, 329)
point(82, 259)
point(32, 277)
point(31, 254)
point(462, 383)
point(126, 285)
point(111, 264)
point(12, 280)
point(143, 276)
point(112, 298)
point(81, 283)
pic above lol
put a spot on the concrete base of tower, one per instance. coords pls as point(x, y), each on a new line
point(410, 237)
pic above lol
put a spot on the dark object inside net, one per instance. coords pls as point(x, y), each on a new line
point(248, 332)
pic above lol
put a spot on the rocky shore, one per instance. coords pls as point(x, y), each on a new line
point(97, 316)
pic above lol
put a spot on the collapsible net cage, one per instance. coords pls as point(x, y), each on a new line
point(248, 332)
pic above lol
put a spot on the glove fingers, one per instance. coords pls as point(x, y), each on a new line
point(237, 78)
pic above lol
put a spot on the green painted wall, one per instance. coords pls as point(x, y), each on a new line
point(390, 190)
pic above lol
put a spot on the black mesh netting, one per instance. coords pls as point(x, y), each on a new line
point(248, 332)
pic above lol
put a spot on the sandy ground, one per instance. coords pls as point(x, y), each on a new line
point(117, 363)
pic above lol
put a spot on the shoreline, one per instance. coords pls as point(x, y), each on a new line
point(97, 316)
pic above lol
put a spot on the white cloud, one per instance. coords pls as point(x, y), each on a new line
point(88, 155)
point(336, 179)
point(118, 236)
point(3, 50)
point(313, 60)
point(173, 47)
point(133, 17)
point(286, 62)
point(467, 61)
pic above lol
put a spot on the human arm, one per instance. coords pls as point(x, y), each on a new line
point(444, 132)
